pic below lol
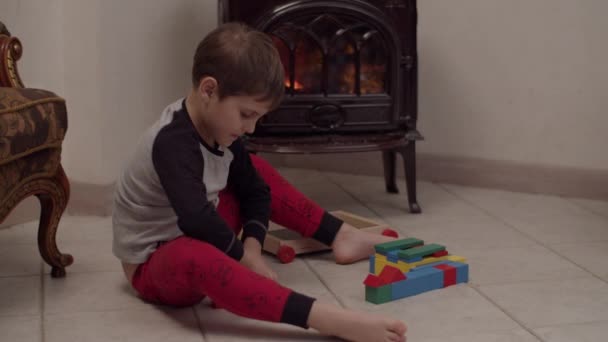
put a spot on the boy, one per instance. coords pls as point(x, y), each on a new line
point(191, 187)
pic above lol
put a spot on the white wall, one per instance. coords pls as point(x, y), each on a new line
point(519, 80)
point(117, 64)
point(512, 80)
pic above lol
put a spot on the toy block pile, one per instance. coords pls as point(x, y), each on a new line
point(407, 267)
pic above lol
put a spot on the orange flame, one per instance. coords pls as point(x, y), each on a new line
point(372, 80)
point(296, 86)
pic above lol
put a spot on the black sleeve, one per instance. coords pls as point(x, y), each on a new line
point(253, 193)
point(179, 164)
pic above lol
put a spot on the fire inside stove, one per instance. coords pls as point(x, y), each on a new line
point(346, 63)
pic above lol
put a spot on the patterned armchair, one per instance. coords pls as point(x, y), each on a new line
point(33, 123)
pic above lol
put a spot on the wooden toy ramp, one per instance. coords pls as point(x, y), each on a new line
point(286, 244)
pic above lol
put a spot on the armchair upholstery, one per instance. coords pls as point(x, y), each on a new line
point(33, 124)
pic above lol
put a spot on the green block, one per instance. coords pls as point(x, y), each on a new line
point(378, 295)
point(397, 244)
point(421, 251)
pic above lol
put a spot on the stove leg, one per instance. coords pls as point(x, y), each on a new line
point(408, 153)
point(389, 157)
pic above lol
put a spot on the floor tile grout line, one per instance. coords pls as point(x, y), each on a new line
point(324, 283)
point(584, 207)
point(200, 324)
point(570, 324)
point(532, 281)
point(59, 313)
point(512, 227)
point(486, 212)
point(521, 324)
point(353, 196)
point(20, 275)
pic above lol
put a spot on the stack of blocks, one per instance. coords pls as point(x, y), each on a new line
point(408, 267)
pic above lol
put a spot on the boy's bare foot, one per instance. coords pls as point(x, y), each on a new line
point(352, 244)
point(355, 326)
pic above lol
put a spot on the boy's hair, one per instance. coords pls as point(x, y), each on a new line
point(245, 62)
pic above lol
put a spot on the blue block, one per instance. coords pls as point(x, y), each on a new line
point(419, 281)
point(392, 256)
point(415, 259)
point(431, 265)
point(372, 264)
point(462, 271)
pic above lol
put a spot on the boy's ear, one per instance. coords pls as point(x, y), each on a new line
point(208, 87)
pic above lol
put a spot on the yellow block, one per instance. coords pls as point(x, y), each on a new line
point(380, 263)
point(456, 258)
point(405, 267)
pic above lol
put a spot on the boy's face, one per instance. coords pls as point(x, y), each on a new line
point(233, 116)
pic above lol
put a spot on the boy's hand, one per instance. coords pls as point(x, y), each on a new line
point(253, 259)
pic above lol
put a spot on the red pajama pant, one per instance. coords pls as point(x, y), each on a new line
point(183, 271)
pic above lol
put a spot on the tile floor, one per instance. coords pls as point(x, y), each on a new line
point(539, 272)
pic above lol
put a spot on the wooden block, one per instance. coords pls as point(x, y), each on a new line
point(456, 258)
point(398, 244)
point(421, 251)
point(380, 257)
point(418, 281)
point(380, 262)
point(449, 274)
point(380, 265)
point(373, 281)
point(372, 264)
point(415, 259)
point(391, 274)
point(403, 266)
point(462, 271)
point(440, 253)
point(431, 260)
point(378, 295)
point(392, 256)
point(432, 264)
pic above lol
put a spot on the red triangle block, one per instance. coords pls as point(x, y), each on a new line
point(391, 274)
point(372, 281)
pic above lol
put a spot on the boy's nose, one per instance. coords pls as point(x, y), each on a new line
point(249, 128)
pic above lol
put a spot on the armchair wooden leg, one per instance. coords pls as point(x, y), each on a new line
point(53, 195)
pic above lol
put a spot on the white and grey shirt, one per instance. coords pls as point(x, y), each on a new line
point(171, 185)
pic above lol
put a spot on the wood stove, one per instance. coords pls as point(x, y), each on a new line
point(350, 78)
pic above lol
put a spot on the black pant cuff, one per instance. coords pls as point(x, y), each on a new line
point(297, 309)
point(328, 229)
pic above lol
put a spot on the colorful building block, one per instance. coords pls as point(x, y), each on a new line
point(421, 251)
point(372, 264)
point(378, 295)
point(415, 259)
point(398, 245)
point(380, 262)
point(418, 281)
point(449, 274)
point(390, 275)
point(403, 268)
point(373, 280)
point(440, 253)
point(462, 271)
point(392, 256)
